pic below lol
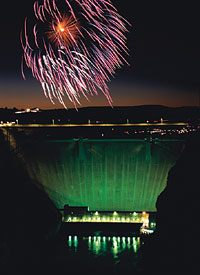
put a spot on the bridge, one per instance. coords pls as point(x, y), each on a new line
point(163, 124)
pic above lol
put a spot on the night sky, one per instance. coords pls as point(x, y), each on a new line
point(164, 57)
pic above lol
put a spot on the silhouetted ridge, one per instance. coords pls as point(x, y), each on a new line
point(115, 114)
point(172, 247)
point(29, 220)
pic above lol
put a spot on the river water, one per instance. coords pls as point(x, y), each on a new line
point(102, 254)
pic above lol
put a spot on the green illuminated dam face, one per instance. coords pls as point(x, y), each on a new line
point(119, 175)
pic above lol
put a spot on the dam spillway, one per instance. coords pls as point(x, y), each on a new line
point(103, 174)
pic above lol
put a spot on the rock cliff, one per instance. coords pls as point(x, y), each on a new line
point(173, 246)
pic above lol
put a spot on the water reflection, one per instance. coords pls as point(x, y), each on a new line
point(103, 254)
point(102, 245)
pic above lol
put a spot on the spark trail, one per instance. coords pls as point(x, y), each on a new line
point(74, 47)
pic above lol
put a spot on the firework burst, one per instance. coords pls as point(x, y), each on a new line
point(74, 47)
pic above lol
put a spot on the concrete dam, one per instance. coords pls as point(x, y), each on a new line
point(101, 173)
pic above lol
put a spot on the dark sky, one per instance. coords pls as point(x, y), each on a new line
point(164, 57)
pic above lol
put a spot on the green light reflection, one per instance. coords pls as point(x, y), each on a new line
point(102, 245)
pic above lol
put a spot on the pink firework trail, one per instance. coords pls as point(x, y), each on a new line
point(74, 47)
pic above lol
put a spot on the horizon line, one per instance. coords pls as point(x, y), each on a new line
point(112, 107)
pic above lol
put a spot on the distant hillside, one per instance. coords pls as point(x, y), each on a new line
point(104, 114)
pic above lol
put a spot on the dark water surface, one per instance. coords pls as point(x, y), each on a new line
point(102, 254)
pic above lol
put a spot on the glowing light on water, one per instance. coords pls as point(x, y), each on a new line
point(99, 245)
